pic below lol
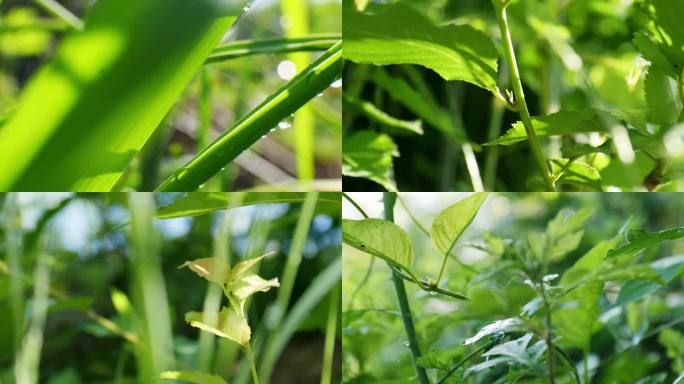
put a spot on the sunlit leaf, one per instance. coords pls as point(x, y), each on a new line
point(247, 285)
point(638, 240)
point(662, 97)
point(205, 268)
point(380, 238)
point(498, 327)
point(559, 123)
point(230, 325)
point(450, 223)
point(576, 173)
point(454, 52)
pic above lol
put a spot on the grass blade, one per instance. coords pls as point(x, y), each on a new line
point(249, 129)
point(242, 48)
point(106, 90)
point(150, 300)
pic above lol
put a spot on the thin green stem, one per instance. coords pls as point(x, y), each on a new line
point(258, 122)
point(330, 334)
point(58, 10)
point(429, 287)
point(463, 361)
point(548, 336)
point(250, 357)
point(242, 48)
point(681, 95)
point(355, 204)
point(535, 146)
point(389, 199)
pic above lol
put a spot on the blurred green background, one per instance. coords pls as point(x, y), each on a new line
point(93, 260)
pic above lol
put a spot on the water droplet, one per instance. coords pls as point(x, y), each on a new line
point(201, 186)
point(433, 293)
point(337, 84)
point(320, 94)
point(407, 344)
point(286, 70)
point(284, 124)
point(263, 137)
point(246, 8)
point(223, 169)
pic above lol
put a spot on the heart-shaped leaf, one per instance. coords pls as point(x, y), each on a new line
point(380, 238)
point(452, 221)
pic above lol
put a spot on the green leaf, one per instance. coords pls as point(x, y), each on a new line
point(451, 222)
point(106, 90)
point(557, 124)
point(650, 51)
point(454, 52)
point(242, 48)
point(666, 29)
point(380, 238)
point(662, 97)
point(193, 377)
point(667, 269)
point(637, 240)
point(205, 268)
point(496, 328)
point(230, 325)
point(369, 154)
point(239, 269)
point(247, 285)
point(194, 204)
point(258, 122)
point(576, 323)
point(392, 124)
point(576, 173)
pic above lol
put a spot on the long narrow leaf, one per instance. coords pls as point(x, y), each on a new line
point(89, 111)
point(241, 48)
point(249, 129)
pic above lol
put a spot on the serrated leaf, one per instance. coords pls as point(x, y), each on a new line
point(369, 155)
point(577, 173)
point(557, 124)
point(666, 28)
point(193, 377)
point(639, 240)
point(451, 222)
point(662, 97)
point(380, 238)
point(454, 52)
point(230, 325)
point(650, 51)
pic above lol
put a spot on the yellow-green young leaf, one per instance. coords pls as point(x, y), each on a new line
point(576, 173)
point(86, 114)
point(452, 221)
point(399, 34)
point(557, 124)
point(231, 325)
point(24, 41)
point(380, 238)
point(369, 154)
point(248, 285)
point(205, 268)
point(637, 240)
point(241, 268)
point(193, 377)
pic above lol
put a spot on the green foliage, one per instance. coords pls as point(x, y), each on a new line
point(370, 156)
point(552, 296)
point(455, 52)
point(602, 82)
point(192, 377)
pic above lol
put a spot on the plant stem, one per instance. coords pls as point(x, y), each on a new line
point(389, 198)
point(500, 7)
point(250, 356)
point(548, 336)
point(463, 361)
point(330, 335)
